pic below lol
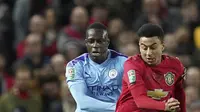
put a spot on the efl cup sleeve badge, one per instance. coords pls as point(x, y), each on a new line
point(169, 78)
point(113, 73)
point(131, 76)
point(70, 73)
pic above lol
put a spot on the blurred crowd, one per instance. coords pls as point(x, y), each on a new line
point(38, 38)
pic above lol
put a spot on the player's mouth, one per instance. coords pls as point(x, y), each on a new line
point(96, 53)
point(150, 60)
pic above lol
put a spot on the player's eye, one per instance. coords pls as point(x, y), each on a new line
point(144, 47)
point(153, 47)
point(101, 41)
point(90, 41)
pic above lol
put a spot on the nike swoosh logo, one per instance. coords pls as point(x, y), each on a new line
point(87, 75)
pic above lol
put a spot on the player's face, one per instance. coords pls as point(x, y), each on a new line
point(97, 44)
point(151, 50)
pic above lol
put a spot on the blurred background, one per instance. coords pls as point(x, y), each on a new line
point(39, 37)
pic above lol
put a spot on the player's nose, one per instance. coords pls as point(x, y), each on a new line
point(96, 44)
point(148, 52)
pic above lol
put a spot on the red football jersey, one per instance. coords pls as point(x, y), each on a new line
point(146, 88)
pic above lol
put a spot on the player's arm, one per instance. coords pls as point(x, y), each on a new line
point(138, 90)
point(179, 90)
point(80, 92)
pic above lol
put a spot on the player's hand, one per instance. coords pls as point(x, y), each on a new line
point(172, 105)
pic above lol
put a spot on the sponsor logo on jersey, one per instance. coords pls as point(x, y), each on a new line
point(157, 94)
point(104, 90)
point(169, 78)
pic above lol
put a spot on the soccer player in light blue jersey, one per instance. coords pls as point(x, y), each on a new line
point(95, 78)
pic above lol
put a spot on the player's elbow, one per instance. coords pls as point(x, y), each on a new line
point(83, 105)
point(140, 103)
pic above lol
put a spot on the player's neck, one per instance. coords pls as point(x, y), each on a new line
point(101, 59)
point(159, 61)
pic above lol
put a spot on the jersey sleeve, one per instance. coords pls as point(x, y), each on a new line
point(80, 92)
point(74, 73)
point(181, 70)
point(179, 90)
point(133, 77)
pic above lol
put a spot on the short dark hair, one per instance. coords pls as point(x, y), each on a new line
point(49, 78)
point(100, 4)
point(97, 25)
point(151, 30)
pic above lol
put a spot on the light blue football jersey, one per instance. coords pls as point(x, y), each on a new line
point(96, 87)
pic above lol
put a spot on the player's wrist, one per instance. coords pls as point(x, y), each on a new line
point(166, 107)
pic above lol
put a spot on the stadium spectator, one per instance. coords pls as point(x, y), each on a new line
point(50, 93)
point(22, 12)
point(192, 95)
point(33, 55)
point(195, 106)
point(74, 31)
point(6, 80)
point(115, 27)
point(193, 76)
point(99, 13)
point(21, 98)
point(58, 64)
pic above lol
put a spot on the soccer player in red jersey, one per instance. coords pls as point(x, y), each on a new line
point(152, 81)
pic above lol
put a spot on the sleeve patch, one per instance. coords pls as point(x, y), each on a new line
point(70, 73)
point(131, 76)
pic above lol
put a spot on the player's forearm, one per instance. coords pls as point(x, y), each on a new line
point(142, 100)
point(91, 104)
point(86, 102)
point(96, 106)
point(148, 103)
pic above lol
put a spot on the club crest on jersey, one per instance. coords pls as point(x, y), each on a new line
point(169, 78)
point(113, 74)
point(131, 76)
point(70, 73)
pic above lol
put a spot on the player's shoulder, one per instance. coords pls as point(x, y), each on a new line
point(172, 60)
point(136, 59)
point(176, 64)
point(115, 54)
point(82, 59)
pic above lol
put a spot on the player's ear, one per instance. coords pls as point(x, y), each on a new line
point(108, 42)
point(85, 41)
point(163, 47)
